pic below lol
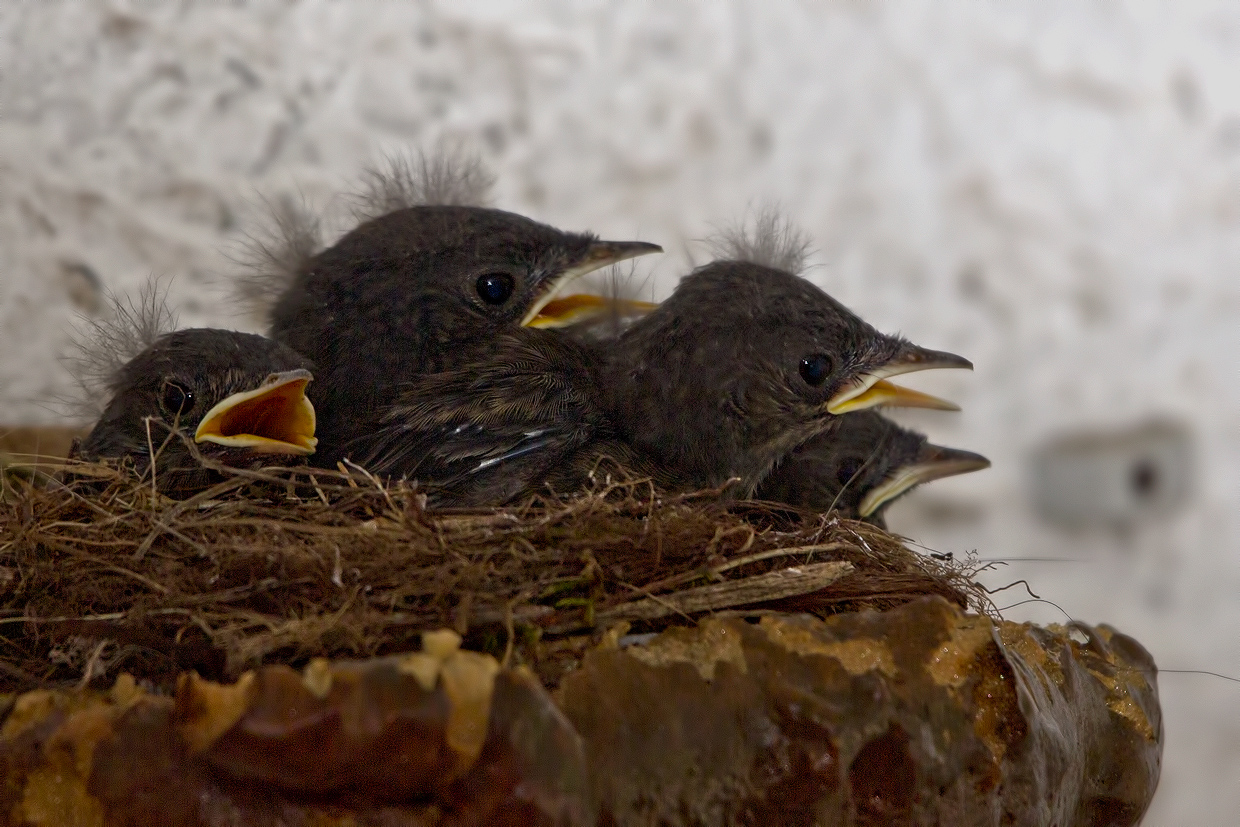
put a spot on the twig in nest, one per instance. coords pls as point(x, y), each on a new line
point(809, 551)
point(761, 588)
point(309, 575)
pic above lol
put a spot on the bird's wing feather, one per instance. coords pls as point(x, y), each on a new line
point(486, 433)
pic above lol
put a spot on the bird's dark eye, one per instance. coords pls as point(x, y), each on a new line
point(847, 470)
point(816, 368)
point(494, 288)
point(177, 400)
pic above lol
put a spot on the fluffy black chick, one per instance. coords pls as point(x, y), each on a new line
point(745, 362)
point(420, 287)
point(861, 467)
point(238, 396)
point(742, 365)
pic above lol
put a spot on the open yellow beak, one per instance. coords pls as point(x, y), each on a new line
point(274, 418)
point(600, 254)
point(887, 395)
point(581, 307)
point(933, 462)
point(871, 390)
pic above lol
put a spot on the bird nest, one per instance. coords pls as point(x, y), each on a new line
point(102, 574)
point(574, 698)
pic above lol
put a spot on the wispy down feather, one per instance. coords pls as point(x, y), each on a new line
point(769, 239)
point(107, 344)
point(443, 177)
point(275, 254)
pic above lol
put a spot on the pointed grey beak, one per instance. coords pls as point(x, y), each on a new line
point(933, 462)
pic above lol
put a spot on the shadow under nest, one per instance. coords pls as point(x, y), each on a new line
point(99, 574)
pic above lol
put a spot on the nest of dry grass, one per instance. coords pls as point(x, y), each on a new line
point(102, 574)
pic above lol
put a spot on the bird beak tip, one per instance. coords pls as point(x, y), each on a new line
point(871, 389)
point(611, 252)
point(948, 462)
point(914, 358)
point(934, 462)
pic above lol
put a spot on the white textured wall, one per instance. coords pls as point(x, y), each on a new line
point(1052, 189)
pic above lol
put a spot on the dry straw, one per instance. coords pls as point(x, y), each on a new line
point(101, 574)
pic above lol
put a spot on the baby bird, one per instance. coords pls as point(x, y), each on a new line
point(420, 287)
point(746, 361)
point(240, 398)
point(862, 467)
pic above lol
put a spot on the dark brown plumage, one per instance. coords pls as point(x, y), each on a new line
point(742, 364)
point(516, 417)
point(861, 467)
point(721, 381)
point(739, 367)
point(418, 291)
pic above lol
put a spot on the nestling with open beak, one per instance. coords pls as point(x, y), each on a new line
point(739, 373)
point(240, 398)
point(414, 289)
point(746, 361)
point(522, 413)
point(863, 466)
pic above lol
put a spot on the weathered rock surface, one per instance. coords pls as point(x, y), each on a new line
point(917, 715)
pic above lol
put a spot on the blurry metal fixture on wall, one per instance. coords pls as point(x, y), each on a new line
point(1114, 478)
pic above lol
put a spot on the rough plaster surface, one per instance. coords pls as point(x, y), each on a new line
point(1052, 189)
